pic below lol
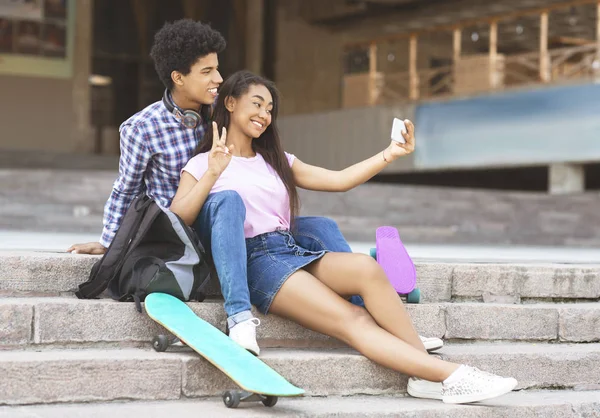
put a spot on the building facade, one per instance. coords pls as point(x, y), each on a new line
point(503, 84)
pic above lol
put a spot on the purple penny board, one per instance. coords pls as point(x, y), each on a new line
point(394, 259)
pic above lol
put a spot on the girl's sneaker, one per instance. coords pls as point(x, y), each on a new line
point(469, 384)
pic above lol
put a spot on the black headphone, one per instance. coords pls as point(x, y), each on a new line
point(189, 118)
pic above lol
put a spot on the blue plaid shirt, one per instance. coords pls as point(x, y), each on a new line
point(155, 146)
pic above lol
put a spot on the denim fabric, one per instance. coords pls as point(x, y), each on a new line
point(272, 258)
point(220, 227)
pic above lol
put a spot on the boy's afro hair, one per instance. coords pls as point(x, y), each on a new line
point(178, 45)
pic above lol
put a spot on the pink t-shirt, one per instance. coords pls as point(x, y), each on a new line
point(264, 194)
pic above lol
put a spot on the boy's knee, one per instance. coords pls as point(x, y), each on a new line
point(319, 233)
point(229, 201)
point(319, 223)
point(329, 225)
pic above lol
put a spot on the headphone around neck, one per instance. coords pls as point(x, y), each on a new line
point(188, 117)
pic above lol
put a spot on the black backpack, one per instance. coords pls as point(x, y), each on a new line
point(152, 251)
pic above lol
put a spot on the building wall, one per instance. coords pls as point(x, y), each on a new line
point(308, 69)
point(51, 114)
point(36, 113)
point(518, 128)
point(339, 138)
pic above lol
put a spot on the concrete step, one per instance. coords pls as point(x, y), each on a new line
point(59, 186)
point(530, 404)
point(422, 214)
point(42, 273)
point(50, 376)
point(70, 322)
point(53, 222)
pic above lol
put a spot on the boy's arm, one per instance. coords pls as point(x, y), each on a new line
point(132, 166)
point(133, 163)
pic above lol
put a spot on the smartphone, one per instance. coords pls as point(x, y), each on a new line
point(397, 128)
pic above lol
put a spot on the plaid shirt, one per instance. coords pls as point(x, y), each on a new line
point(155, 146)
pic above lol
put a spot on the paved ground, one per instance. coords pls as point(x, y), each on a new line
point(46, 241)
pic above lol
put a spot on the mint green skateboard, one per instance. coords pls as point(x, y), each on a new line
point(258, 381)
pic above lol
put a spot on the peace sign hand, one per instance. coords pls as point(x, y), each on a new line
point(220, 154)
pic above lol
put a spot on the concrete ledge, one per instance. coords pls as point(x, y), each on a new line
point(87, 375)
point(530, 404)
point(39, 273)
point(534, 365)
point(103, 375)
point(61, 321)
point(501, 322)
point(16, 322)
point(565, 281)
point(579, 323)
point(319, 372)
point(70, 321)
point(43, 273)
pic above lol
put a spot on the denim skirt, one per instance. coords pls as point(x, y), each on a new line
point(272, 258)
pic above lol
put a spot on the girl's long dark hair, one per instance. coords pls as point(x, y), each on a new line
point(268, 144)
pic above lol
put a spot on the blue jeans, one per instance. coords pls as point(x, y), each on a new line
point(220, 227)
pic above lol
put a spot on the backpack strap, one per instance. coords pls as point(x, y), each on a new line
point(151, 212)
point(105, 269)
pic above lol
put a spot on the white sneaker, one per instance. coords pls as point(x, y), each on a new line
point(420, 388)
point(431, 343)
point(244, 334)
point(473, 385)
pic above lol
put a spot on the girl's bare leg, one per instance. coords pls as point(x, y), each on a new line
point(359, 274)
point(306, 300)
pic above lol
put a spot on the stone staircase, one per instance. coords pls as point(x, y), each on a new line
point(73, 201)
point(63, 357)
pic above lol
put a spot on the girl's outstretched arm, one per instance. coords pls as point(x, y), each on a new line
point(311, 177)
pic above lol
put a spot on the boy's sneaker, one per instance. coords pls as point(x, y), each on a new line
point(421, 388)
point(431, 343)
point(244, 334)
point(469, 384)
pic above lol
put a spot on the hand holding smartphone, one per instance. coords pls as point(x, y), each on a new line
point(397, 128)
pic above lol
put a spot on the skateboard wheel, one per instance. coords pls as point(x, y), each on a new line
point(270, 401)
point(160, 343)
point(232, 399)
point(414, 296)
point(373, 253)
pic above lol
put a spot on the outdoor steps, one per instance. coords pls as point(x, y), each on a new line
point(530, 404)
point(28, 273)
point(33, 323)
point(50, 376)
point(536, 404)
point(545, 332)
point(73, 201)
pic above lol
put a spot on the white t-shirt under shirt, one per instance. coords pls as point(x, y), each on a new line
point(262, 191)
